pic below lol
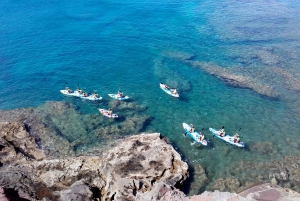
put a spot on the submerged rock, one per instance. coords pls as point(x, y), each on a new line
point(61, 130)
point(228, 184)
point(178, 55)
point(232, 78)
point(291, 80)
point(170, 76)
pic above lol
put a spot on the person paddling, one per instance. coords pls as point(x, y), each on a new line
point(79, 90)
point(192, 128)
point(96, 95)
point(69, 90)
point(109, 112)
point(120, 93)
point(222, 132)
point(236, 138)
point(174, 91)
point(201, 136)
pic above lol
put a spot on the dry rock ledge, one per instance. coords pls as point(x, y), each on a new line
point(140, 167)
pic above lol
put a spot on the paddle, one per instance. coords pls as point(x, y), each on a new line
point(67, 88)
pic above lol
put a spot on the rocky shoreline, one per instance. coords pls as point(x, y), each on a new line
point(136, 167)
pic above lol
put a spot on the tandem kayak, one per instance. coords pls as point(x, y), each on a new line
point(195, 135)
point(227, 138)
point(168, 90)
point(117, 97)
point(80, 95)
point(106, 113)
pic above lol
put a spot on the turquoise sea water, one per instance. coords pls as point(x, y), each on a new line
point(104, 45)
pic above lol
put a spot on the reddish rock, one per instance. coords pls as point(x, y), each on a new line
point(268, 192)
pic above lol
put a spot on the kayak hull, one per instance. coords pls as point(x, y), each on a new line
point(227, 138)
point(195, 135)
point(105, 113)
point(80, 95)
point(168, 91)
point(117, 97)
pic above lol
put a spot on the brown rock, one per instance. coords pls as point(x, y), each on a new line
point(268, 192)
point(140, 165)
point(137, 167)
point(17, 144)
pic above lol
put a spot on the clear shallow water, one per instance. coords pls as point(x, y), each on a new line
point(106, 45)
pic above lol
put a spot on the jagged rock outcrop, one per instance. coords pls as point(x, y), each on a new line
point(135, 169)
point(17, 144)
point(141, 165)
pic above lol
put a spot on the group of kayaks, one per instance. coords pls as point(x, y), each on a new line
point(94, 97)
point(195, 135)
point(119, 96)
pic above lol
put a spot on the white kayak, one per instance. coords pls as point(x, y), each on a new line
point(106, 113)
point(195, 135)
point(168, 90)
point(117, 97)
point(227, 138)
point(80, 95)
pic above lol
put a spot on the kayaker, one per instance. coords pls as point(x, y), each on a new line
point(85, 94)
point(109, 112)
point(222, 132)
point(192, 128)
point(96, 95)
point(79, 90)
point(201, 136)
point(69, 90)
point(166, 86)
point(236, 138)
point(174, 91)
point(120, 93)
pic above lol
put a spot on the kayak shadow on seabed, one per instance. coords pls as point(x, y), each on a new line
point(183, 98)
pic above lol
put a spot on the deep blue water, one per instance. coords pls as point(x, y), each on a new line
point(104, 45)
